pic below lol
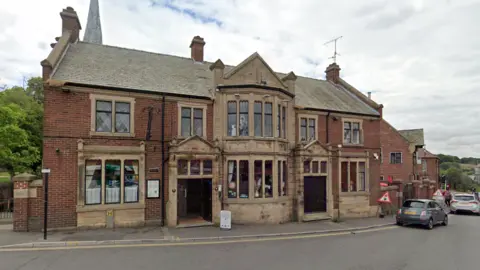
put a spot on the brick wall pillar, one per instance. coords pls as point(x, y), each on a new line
point(21, 196)
point(417, 189)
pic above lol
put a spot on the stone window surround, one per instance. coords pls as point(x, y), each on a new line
point(100, 152)
point(354, 120)
point(192, 106)
point(263, 97)
point(307, 116)
point(93, 101)
point(251, 172)
point(319, 160)
point(367, 176)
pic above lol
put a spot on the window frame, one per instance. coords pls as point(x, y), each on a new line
point(351, 122)
point(320, 161)
point(271, 115)
point(113, 99)
point(308, 118)
point(192, 107)
point(103, 200)
point(394, 155)
point(189, 173)
point(357, 162)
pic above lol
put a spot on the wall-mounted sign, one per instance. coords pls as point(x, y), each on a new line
point(153, 188)
point(154, 169)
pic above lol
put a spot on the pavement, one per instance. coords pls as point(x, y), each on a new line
point(385, 248)
point(123, 236)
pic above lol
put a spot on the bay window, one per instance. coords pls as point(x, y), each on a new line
point(353, 176)
point(282, 177)
point(258, 176)
point(268, 179)
point(284, 123)
point(232, 118)
point(93, 182)
point(131, 181)
point(238, 182)
point(257, 118)
point(268, 124)
point(112, 181)
point(232, 178)
point(243, 118)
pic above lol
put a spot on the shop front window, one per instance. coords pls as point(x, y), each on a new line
point(112, 181)
point(258, 173)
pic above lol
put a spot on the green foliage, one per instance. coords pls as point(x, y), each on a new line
point(21, 127)
point(444, 166)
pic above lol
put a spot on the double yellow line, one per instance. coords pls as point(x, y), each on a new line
point(187, 243)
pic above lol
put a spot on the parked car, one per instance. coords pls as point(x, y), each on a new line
point(464, 202)
point(423, 212)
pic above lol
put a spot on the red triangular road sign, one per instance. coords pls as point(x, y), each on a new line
point(382, 184)
point(438, 193)
point(385, 198)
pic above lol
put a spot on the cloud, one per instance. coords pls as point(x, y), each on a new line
point(418, 57)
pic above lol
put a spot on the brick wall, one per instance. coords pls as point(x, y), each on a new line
point(392, 141)
point(67, 119)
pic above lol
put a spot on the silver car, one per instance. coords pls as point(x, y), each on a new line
point(464, 202)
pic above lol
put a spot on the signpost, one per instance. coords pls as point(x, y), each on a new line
point(46, 172)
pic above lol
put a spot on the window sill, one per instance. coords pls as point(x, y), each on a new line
point(356, 193)
point(282, 199)
point(112, 134)
point(248, 138)
point(353, 145)
point(105, 207)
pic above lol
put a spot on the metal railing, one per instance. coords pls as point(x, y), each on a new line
point(6, 209)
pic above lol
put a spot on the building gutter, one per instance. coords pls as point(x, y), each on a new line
point(341, 112)
point(130, 90)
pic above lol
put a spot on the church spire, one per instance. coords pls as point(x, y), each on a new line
point(93, 31)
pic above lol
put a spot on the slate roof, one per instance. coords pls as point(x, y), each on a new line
point(424, 153)
point(109, 66)
point(414, 136)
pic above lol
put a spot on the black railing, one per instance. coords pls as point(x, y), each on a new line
point(6, 209)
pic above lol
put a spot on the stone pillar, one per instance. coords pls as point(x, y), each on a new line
point(417, 189)
point(21, 196)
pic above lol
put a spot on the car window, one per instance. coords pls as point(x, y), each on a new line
point(413, 204)
point(464, 198)
point(436, 205)
point(431, 205)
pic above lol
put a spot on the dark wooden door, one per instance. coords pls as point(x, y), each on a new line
point(315, 194)
point(206, 199)
point(182, 198)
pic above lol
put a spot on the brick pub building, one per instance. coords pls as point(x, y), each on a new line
point(135, 138)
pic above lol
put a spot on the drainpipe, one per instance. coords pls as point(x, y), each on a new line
point(328, 119)
point(163, 160)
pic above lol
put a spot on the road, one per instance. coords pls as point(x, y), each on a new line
point(396, 248)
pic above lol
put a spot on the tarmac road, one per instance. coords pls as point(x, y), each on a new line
point(395, 248)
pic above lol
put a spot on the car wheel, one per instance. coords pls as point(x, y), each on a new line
point(399, 223)
point(452, 212)
point(430, 224)
point(445, 221)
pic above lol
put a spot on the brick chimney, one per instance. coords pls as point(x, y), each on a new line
point(333, 72)
point(197, 48)
point(70, 22)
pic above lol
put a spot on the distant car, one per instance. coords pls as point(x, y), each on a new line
point(423, 212)
point(464, 202)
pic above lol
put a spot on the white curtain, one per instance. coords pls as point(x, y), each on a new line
point(112, 195)
point(131, 194)
point(93, 195)
point(230, 171)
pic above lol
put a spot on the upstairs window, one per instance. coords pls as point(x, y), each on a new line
point(192, 122)
point(111, 116)
point(307, 129)
point(396, 158)
point(243, 118)
point(351, 132)
point(257, 118)
point(268, 120)
point(232, 118)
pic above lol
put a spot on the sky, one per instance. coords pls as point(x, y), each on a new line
point(419, 58)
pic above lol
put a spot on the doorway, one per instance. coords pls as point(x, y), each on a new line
point(315, 190)
point(194, 202)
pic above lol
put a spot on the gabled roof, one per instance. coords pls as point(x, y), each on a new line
point(424, 153)
point(414, 136)
point(108, 66)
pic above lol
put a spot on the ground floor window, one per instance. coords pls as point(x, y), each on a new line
point(239, 173)
point(353, 176)
point(111, 181)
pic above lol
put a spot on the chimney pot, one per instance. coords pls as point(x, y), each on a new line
point(196, 47)
point(333, 72)
point(369, 95)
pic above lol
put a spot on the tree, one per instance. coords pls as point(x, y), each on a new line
point(30, 101)
point(17, 152)
point(35, 89)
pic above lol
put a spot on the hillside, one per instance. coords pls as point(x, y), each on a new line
point(455, 171)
